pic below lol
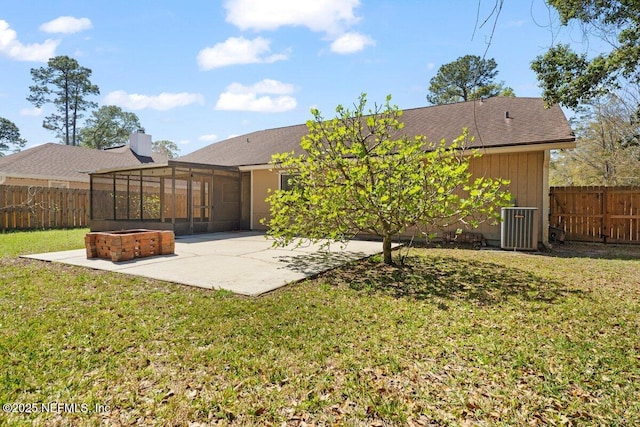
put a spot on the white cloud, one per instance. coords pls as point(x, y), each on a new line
point(332, 17)
point(238, 50)
point(66, 25)
point(328, 16)
point(162, 102)
point(351, 43)
point(431, 66)
point(10, 46)
point(238, 97)
point(208, 138)
point(32, 112)
point(273, 87)
point(251, 102)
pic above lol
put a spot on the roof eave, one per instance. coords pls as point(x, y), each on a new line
point(258, 166)
point(129, 168)
point(559, 144)
point(179, 163)
point(565, 143)
point(170, 163)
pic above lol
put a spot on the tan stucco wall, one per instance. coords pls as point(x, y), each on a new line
point(524, 170)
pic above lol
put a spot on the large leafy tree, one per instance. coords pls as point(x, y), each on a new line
point(607, 151)
point(571, 78)
point(166, 147)
point(360, 174)
point(66, 84)
point(468, 77)
point(108, 126)
point(10, 139)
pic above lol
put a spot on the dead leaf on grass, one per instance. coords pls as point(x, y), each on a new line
point(168, 395)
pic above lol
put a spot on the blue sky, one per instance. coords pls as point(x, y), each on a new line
point(197, 72)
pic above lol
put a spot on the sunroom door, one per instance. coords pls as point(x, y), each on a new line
point(201, 203)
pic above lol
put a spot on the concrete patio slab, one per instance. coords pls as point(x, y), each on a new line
point(241, 262)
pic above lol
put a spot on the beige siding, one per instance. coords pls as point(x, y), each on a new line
point(263, 180)
point(525, 171)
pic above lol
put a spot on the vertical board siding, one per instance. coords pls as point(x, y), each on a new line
point(597, 214)
point(23, 208)
point(524, 171)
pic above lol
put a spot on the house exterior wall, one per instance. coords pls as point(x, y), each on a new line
point(263, 181)
point(524, 170)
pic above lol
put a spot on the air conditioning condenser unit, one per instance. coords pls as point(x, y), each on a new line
point(519, 229)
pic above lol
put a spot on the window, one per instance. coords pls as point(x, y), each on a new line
point(288, 181)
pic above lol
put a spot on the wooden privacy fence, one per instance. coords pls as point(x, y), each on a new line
point(597, 214)
point(24, 207)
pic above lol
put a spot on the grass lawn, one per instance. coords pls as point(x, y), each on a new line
point(456, 337)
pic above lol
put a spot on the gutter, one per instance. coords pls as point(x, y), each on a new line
point(504, 149)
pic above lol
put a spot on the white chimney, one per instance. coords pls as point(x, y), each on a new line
point(140, 143)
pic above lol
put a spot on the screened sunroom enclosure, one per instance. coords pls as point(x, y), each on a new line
point(184, 197)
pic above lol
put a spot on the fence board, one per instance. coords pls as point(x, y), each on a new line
point(24, 208)
point(597, 214)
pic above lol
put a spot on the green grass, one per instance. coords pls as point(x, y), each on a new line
point(456, 337)
point(34, 242)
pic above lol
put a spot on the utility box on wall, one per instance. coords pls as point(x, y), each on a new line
point(519, 229)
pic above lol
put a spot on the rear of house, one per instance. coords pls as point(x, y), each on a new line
point(515, 136)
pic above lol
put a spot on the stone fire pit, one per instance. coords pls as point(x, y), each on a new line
point(126, 245)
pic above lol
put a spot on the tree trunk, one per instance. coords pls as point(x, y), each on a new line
point(73, 124)
point(386, 250)
point(66, 111)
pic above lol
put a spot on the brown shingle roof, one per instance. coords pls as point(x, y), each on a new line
point(66, 162)
point(529, 123)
